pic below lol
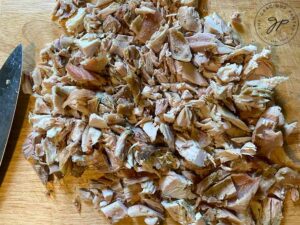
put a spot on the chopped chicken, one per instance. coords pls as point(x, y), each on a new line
point(287, 175)
point(266, 136)
point(272, 211)
point(203, 42)
point(184, 119)
point(177, 186)
point(189, 73)
point(84, 77)
point(107, 195)
point(289, 128)
point(64, 9)
point(158, 38)
point(77, 100)
point(151, 221)
point(111, 24)
point(97, 121)
point(227, 217)
point(247, 50)
point(246, 188)
point(119, 44)
point(88, 47)
point(229, 73)
point(120, 146)
point(227, 115)
point(189, 19)
point(144, 10)
point(151, 130)
point(41, 106)
point(145, 26)
point(90, 137)
point(115, 211)
point(75, 23)
point(179, 46)
point(260, 64)
point(168, 135)
point(100, 3)
point(210, 180)
point(110, 9)
point(192, 152)
point(256, 94)
point(214, 24)
point(141, 210)
point(220, 191)
point(182, 212)
point(168, 108)
point(95, 64)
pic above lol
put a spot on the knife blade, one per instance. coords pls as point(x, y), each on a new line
point(10, 81)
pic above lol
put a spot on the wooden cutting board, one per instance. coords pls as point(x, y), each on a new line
point(23, 199)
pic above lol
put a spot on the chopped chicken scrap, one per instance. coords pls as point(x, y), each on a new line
point(169, 107)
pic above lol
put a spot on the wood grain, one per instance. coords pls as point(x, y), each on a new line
point(23, 198)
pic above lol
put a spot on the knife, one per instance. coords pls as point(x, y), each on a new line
point(10, 81)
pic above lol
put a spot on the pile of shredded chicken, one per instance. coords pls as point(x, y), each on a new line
point(176, 114)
